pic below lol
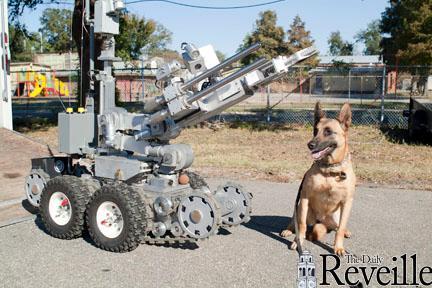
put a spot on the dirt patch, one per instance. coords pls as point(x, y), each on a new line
point(279, 153)
point(15, 153)
point(11, 175)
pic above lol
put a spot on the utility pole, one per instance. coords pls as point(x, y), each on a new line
point(6, 97)
point(383, 94)
point(41, 42)
point(90, 22)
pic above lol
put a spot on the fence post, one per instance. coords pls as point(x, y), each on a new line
point(268, 103)
point(382, 94)
point(142, 78)
point(310, 86)
point(301, 83)
point(130, 90)
point(349, 85)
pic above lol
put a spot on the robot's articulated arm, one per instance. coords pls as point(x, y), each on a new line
point(192, 96)
point(189, 102)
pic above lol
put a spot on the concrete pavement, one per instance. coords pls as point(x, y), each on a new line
point(384, 222)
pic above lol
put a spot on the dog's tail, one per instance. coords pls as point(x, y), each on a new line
point(294, 218)
point(298, 195)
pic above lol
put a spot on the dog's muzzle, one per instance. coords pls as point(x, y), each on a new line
point(321, 149)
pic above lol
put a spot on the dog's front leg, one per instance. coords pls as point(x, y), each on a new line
point(302, 212)
point(290, 228)
point(345, 213)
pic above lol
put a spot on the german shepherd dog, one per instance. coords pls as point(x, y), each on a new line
point(327, 191)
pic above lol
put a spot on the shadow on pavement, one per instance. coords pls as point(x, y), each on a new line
point(40, 225)
point(271, 226)
point(28, 207)
point(86, 237)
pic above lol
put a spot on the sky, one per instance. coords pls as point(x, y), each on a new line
point(226, 29)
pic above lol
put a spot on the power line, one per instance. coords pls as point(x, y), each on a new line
point(207, 7)
point(186, 4)
point(57, 2)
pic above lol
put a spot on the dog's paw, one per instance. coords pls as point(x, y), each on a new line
point(286, 233)
point(347, 234)
point(293, 245)
point(339, 251)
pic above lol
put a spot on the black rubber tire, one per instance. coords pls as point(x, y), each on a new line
point(79, 193)
point(196, 181)
point(133, 212)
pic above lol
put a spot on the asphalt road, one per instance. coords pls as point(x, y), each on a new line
point(384, 222)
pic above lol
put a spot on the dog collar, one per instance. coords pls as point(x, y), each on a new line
point(340, 176)
point(329, 169)
point(334, 165)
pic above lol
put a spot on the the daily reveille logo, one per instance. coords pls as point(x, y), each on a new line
point(374, 270)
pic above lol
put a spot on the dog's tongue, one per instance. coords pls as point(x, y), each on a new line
point(319, 154)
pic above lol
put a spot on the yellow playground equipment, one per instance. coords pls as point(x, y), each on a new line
point(35, 84)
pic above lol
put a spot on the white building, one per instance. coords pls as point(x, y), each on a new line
point(306, 274)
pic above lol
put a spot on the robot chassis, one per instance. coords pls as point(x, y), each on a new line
point(121, 177)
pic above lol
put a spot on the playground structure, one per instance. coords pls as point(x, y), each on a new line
point(34, 84)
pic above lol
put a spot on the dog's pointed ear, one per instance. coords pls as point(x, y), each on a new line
point(319, 113)
point(345, 116)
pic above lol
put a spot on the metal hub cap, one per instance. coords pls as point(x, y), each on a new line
point(235, 205)
point(34, 184)
point(109, 219)
point(197, 216)
point(35, 189)
point(60, 208)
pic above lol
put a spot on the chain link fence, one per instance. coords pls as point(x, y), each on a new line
point(378, 94)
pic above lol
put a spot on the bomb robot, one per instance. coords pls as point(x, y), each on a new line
point(121, 177)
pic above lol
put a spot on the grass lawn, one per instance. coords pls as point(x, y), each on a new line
point(279, 153)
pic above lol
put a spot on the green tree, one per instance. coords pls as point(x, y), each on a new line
point(408, 25)
point(22, 42)
point(136, 33)
point(371, 38)
point(56, 29)
point(168, 55)
point(339, 47)
point(221, 56)
point(268, 34)
point(300, 38)
point(16, 7)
